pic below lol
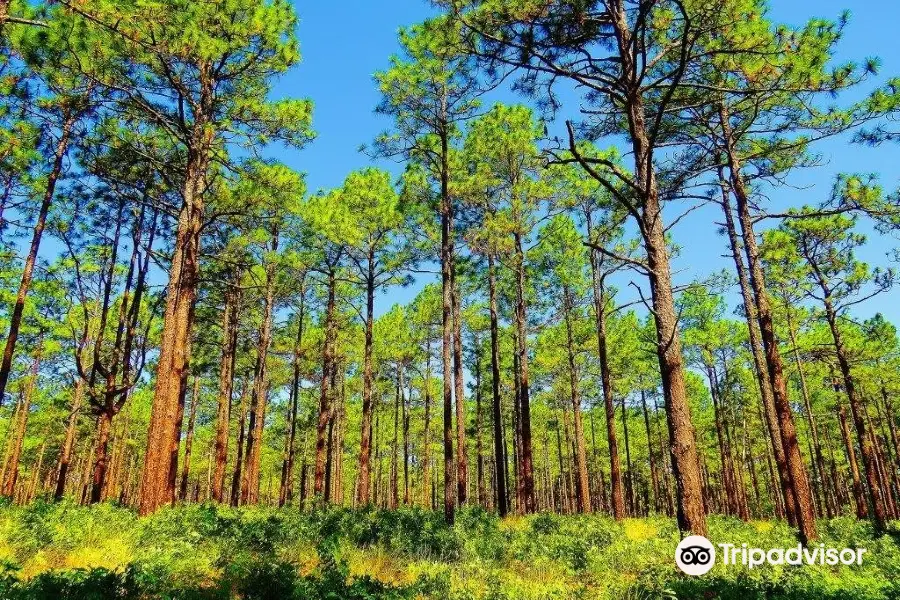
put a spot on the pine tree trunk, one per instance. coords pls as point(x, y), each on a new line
point(480, 475)
point(101, 455)
point(617, 499)
point(226, 384)
point(287, 471)
point(365, 442)
point(325, 400)
point(629, 473)
point(15, 317)
point(189, 441)
point(157, 482)
point(525, 458)
point(785, 504)
point(426, 433)
point(496, 408)
point(724, 450)
point(237, 475)
point(65, 452)
point(462, 460)
point(583, 481)
point(805, 513)
point(395, 443)
point(250, 488)
point(654, 473)
point(831, 509)
point(858, 410)
point(450, 479)
point(859, 494)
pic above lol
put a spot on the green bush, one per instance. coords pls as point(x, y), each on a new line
point(205, 552)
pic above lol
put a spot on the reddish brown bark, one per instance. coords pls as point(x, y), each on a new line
point(226, 385)
point(101, 455)
point(805, 511)
point(237, 474)
point(157, 481)
point(877, 505)
point(287, 469)
point(785, 503)
point(65, 452)
point(583, 485)
point(259, 400)
point(20, 423)
point(189, 441)
point(325, 401)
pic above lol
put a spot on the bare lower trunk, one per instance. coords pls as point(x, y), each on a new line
point(447, 329)
point(496, 408)
point(462, 461)
point(877, 506)
point(526, 457)
point(365, 440)
point(175, 344)
point(583, 481)
point(237, 475)
point(685, 460)
point(65, 452)
point(325, 400)
point(250, 487)
point(426, 433)
point(189, 442)
point(226, 385)
point(101, 455)
point(287, 471)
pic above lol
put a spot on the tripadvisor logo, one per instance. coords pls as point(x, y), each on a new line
point(696, 555)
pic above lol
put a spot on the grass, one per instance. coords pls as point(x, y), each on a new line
point(63, 550)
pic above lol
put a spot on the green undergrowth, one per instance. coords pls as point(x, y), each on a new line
point(60, 550)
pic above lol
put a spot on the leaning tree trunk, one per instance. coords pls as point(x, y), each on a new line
point(858, 411)
point(786, 503)
point(15, 318)
point(805, 511)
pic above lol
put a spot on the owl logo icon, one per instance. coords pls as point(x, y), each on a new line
point(695, 555)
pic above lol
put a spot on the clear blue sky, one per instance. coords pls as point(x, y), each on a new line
point(343, 44)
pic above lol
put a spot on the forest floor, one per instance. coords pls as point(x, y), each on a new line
point(204, 552)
